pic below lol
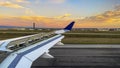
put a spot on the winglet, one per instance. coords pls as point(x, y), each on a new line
point(69, 27)
point(66, 29)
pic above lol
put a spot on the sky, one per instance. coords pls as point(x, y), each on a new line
point(58, 13)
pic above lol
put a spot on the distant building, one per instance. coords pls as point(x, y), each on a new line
point(97, 29)
point(109, 29)
point(118, 29)
point(113, 29)
point(34, 26)
point(86, 29)
point(20, 28)
point(103, 29)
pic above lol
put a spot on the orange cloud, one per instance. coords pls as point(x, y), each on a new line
point(41, 21)
point(22, 1)
point(63, 16)
point(10, 5)
point(106, 17)
point(29, 11)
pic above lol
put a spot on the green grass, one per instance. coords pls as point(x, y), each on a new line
point(78, 31)
point(32, 31)
point(88, 38)
point(88, 35)
point(91, 40)
point(4, 36)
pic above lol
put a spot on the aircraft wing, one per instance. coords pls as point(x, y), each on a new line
point(25, 50)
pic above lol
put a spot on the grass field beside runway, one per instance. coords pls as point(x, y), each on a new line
point(92, 38)
point(87, 31)
point(7, 34)
point(81, 37)
point(4, 36)
point(20, 31)
point(89, 35)
point(86, 40)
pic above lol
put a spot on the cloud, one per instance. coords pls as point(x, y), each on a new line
point(39, 20)
point(57, 1)
point(22, 1)
point(106, 17)
point(63, 16)
point(29, 11)
point(10, 5)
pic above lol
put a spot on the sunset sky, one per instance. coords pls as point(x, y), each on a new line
point(58, 13)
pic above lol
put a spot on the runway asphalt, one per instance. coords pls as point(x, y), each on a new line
point(95, 33)
point(81, 56)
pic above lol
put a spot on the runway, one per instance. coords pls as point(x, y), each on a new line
point(88, 46)
point(84, 56)
point(94, 33)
